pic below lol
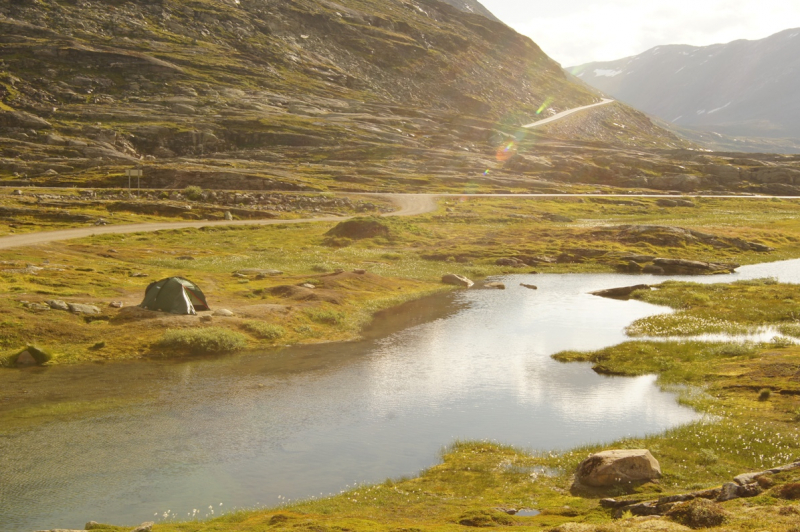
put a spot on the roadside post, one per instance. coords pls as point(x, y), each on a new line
point(137, 173)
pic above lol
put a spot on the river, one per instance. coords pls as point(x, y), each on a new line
point(259, 428)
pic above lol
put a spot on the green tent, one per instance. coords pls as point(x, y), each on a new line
point(174, 294)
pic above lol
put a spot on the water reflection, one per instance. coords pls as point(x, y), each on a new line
point(245, 430)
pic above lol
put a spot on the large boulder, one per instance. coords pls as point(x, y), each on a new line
point(456, 280)
point(615, 467)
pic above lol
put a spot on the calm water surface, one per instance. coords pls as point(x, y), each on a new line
point(245, 430)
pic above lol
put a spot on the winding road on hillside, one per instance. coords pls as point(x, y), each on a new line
point(564, 114)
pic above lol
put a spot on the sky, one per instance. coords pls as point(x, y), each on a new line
point(574, 32)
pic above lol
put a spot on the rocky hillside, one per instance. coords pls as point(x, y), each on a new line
point(269, 94)
point(472, 6)
point(743, 88)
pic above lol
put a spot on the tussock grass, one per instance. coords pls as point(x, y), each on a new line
point(263, 330)
point(203, 340)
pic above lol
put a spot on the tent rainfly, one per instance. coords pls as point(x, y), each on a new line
point(175, 295)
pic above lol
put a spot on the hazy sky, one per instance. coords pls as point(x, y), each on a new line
point(578, 31)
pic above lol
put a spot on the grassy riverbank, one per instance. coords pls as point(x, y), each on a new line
point(476, 237)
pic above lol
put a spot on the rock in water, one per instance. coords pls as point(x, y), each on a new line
point(620, 293)
point(611, 468)
point(456, 280)
point(529, 286)
point(498, 286)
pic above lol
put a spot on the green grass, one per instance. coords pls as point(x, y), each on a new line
point(263, 330)
point(202, 341)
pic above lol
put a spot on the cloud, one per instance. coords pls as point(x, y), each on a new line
point(578, 31)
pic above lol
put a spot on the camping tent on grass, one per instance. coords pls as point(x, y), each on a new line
point(174, 294)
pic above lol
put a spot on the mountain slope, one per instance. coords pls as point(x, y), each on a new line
point(268, 94)
point(741, 88)
point(472, 6)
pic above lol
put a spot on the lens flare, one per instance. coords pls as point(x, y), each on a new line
point(506, 151)
point(545, 105)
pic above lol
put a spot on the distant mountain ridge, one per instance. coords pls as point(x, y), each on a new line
point(746, 88)
point(472, 6)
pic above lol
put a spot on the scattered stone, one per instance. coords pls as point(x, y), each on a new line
point(623, 292)
point(692, 267)
point(308, 285)
point(206, 318)
point(36, 306)
point(529, 286)
point(515, 263)
point(57, 304)
point(223, 312)
point(91, 525)
point(17, 193)
point(498, 286)
point(360, 272)
point(255, 271)
point(240, 275)
point(137, 274)
point(615, 467)
point(25, 359)
point(79, 308)
point(457, 280)
point(228, 215)
point(144, 527)
point(116, 304)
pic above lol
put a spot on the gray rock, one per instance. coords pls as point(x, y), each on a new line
point(728, 492)
point(529, 286)
point(457, 280)
point(308, 285)
point(615, 467)
point(25, 359)
point(240, 275)
point(144, 527)
point(91, 525)
point(137, 274)
point(57, 304)
point(623, 292)
point(116, 304)
point(498, 286)
point(228, 215)
point(223, 312)
point(79, 308)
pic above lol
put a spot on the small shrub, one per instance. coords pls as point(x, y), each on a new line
point(485, 518)
point(193, 192)
point(789, 491)
point(699, 513)
point(708, 457)
point(764, 394)
point(326, 317)
point(263, 330)
point(207, 340)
